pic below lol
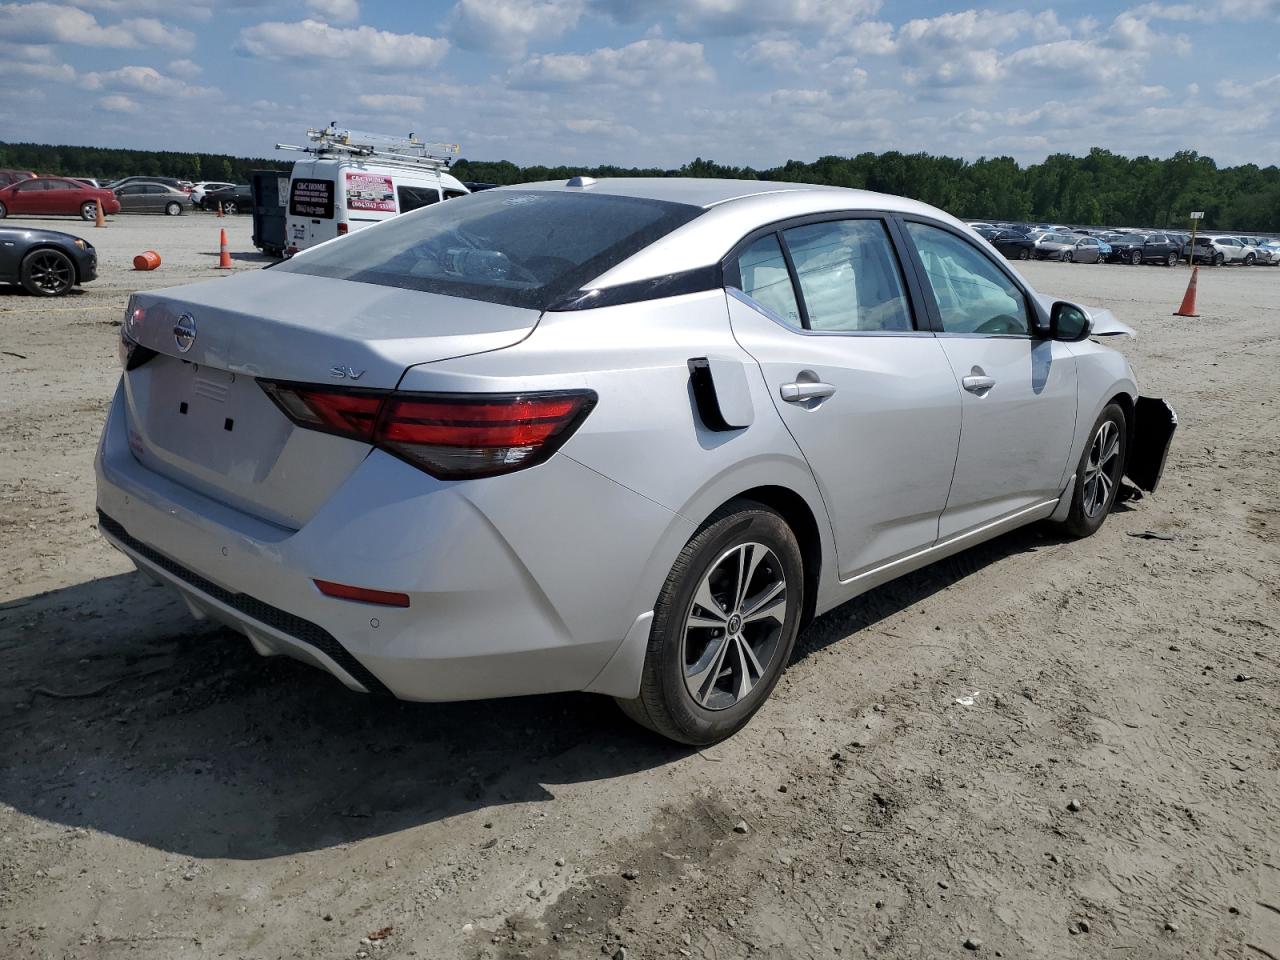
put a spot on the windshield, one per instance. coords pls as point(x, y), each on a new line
point(524, 248)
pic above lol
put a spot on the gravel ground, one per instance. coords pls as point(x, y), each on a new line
point(1037, 749)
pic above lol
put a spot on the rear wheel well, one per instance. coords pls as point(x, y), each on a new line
point(795, 511)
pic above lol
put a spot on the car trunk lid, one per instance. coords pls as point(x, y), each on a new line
point(198, 415)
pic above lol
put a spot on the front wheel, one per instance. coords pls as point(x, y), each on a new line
point(1098, 473)
point(1024, 254)
point(1136, 258)
point(723, 627)
point(48, 273)
point(173, 208)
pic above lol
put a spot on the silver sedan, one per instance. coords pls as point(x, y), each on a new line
point(625, 436)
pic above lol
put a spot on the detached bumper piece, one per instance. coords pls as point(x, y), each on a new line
point(304, 631)
point(1154, 425)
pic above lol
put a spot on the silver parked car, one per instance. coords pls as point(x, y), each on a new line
point(152, 198)
point(624, 436)
point(1067, 247)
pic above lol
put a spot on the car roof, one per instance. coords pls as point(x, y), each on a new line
point(734, 208)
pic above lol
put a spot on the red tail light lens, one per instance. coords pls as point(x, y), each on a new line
point(362, 594)
point(342, 229)
point(450, 436)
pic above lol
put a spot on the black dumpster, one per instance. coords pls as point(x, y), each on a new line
point(270, 204)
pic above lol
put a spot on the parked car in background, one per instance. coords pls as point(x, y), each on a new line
point(1104, 249)
point(1269, 252)
point(203, 187)
point(234, 199)
point(1057, 246)
point(152, 198)
point(1219, 250)
point(166, 181)
point(88, 182)
point(1139, 248)
point(489, 512)
point(1011, 244)
point(13, 176)
point(47, 263)
point(55, 196)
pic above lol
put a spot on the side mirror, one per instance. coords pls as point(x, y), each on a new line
point(1068, 322)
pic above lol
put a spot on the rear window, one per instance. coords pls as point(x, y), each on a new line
point(524, 248)
point(311, 198)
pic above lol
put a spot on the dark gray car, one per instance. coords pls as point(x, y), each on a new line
point(46, 262)
point(152, 198)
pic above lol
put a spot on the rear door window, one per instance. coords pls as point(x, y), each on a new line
point(849, 276)
point(311, 198)
point(411, 198)
point(525, 248)
point(766, 280)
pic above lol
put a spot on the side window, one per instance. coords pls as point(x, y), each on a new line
point(765, 278)
point(411, 198)
point(452, 194)
point(849, 276)
point(30, 186)
point(973, 294)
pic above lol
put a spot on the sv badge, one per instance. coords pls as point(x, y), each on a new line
point(343, 372)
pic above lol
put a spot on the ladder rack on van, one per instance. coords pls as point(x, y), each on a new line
point(406, 151)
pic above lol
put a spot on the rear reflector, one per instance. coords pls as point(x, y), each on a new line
point(453, 436)
point(342, 229)
point(362, 594)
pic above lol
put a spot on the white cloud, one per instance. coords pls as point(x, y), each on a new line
point(507, 27)
point(153, 33)
point(1210, 11)
point(311, 39)
point(391, 102)
point(338, 11)
point(144, 80)
point(1230, 90)
point(185, 68)
point(53, 23)
point(60, 72)
point(775, 53)
point(645, 64)
point(600, 128)
point(759, 16)
point(118, 103)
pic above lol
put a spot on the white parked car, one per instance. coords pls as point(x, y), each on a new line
point(624, 436)
point(1220, 250)
point(204, 186)
point(1270, 249)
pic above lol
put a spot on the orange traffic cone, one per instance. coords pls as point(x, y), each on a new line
point(224, 255)
point(98, 219)
point(1188, 308)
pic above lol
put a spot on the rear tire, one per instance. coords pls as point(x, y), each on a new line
point(4, 211)
point(89, 210)
point(1068, 257)
point(1098, 473)
point(1219, 259)
point(707, 673)
point(1171, 260)
point(1024, 254)
point(1249, 259)
point(173, 209)
point(229, 207)
point(47, 273)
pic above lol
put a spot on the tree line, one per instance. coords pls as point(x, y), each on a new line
point(1100, 188)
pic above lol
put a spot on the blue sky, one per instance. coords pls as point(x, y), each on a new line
point(651, 82)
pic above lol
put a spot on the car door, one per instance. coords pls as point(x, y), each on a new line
point(1018, 388)
point(64, 198)
point(824, 309)
point(29, 196)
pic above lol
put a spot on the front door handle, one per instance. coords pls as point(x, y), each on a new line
point(977, 384)
point(805, 390)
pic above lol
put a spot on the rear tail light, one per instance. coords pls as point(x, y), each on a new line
point(133, 354)
point(452, 436)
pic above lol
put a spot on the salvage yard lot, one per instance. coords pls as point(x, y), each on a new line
point(1050, 749)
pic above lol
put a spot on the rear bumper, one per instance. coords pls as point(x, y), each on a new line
point(520, 584)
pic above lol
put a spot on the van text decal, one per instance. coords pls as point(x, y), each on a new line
point(370, 191)
point(312, 198)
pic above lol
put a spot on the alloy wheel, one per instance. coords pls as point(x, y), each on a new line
point(51, 272)
point(1101, 468)
point(734, 625)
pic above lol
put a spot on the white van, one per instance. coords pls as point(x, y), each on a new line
point(331, 196)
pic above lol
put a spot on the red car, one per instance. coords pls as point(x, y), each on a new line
point(55, 195)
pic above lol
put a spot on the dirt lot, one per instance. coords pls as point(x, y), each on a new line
point(1050, 749)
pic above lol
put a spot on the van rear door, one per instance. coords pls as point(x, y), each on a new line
point(313, 196)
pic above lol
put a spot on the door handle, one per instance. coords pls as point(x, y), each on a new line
point(805, 390)
point(977, 384)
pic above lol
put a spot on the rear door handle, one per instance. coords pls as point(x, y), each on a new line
point(977, 384)
point(805, 390)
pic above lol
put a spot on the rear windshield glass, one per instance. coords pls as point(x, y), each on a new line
point(525, 248)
